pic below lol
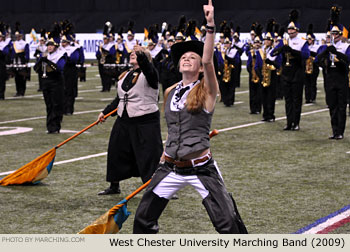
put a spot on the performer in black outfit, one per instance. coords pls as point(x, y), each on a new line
point(135, 145)
point(5, 51)
point(20, 58)
point(188, 110)
point(51, 67)
point(70, 71)
point(294, 51)
point(335, 58)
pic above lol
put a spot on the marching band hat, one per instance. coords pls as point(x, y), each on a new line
point(269, 34)
point(293, 20)
point(310, 34)
point(131, 28)
point(54, 35)
point(18, 31)
point(336, 27)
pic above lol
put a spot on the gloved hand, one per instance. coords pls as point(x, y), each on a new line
point(332, 49)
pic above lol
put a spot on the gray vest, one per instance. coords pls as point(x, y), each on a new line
point(187, 133)
point(141, 99)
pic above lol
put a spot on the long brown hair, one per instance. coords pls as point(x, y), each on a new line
point(195, 99)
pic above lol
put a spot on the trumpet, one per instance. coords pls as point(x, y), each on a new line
point(44, 66)
point(332, 55)
point(285, 42)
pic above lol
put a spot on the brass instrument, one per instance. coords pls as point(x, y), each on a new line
point(309, 68)
point(118, 57)
point(266, 71)
point(332, 55)
point(227, 71)
point(285, 42)
point(44, 66)
point(255, 77)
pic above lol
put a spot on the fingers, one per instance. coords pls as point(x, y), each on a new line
point(210, 2)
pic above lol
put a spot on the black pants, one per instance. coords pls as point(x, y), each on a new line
point(227, 91)
point(106, 79)
point(269, 98)
point(70, 88)
point(254, 96)
point(293, 93)
point(21, 82)
point(219, 203)
point(311, 85)
point(336, 89)
point(3, 76)
point(53, 96)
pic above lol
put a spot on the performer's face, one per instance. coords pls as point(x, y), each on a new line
point(336, 36)
point(105, 40)
point(51, 48)
point(292, 33)
point(268, 42)
point(190, 62)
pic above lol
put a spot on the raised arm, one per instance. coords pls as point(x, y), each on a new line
point(210, 80)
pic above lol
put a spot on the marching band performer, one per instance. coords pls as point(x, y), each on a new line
point(253, 69)
point(268, 66)
point(70, 72)
point(335, 58)
point(5, 57)
point(41, 48)
point(294, 51)
point(106, 55)
point(311, 69)
point(227, 75)
point(50, 66)
point(20, 58)
point(238, 45)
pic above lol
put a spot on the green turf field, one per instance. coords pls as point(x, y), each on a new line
point(281, 181)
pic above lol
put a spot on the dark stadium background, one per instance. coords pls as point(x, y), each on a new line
point(90, 15)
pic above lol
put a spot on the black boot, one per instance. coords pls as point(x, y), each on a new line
point(113, 189)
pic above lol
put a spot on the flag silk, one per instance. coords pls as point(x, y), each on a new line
point(33, 172)
point(111, 222)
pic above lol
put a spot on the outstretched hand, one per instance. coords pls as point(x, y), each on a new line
point(209, 13)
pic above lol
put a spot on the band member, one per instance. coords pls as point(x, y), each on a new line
point(39, 51)
point(70, 72)
point(187, 158)
point(106, 55)
point(253, 69)
point(227, 77)
point(130, 40)
point(168, 73)
point(267, 68)
point(135, 144)
point(50, 66)
point(5, 57)
point(311, 69)
point(335, 60)
point(237, 45)
point(20, 58)
point(294, 51)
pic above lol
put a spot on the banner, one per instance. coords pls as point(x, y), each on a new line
point(91, 42)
